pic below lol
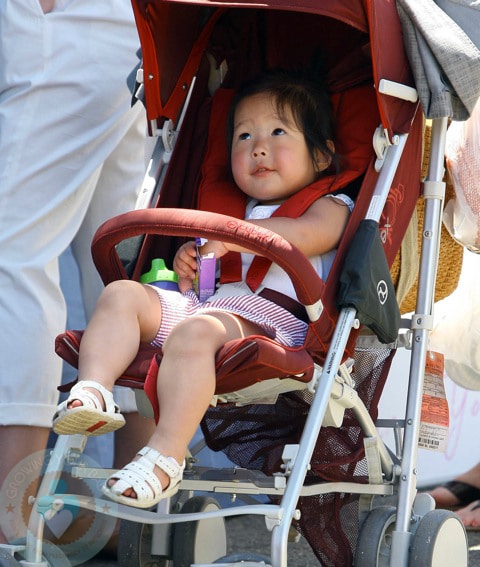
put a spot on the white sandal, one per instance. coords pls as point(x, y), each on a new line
point(89, 418)
point(139, 476)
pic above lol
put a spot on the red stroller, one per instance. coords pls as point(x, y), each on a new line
point(315, 452)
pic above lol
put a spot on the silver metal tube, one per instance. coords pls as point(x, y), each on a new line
point(424, 309)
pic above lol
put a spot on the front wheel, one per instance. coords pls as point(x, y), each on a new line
point(135, 544)
point(51, 554)
point(440, 541)
point(7, 560)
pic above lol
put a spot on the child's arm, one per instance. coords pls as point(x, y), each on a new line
point(316, 232)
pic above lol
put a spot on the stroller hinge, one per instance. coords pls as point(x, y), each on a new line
point(381, 143)
point(342, 397)
point(167, 134)
point(288, 457)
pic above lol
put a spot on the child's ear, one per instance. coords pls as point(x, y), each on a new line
point(323, 160)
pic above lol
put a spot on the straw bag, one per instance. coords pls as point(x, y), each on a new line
point(404, 269)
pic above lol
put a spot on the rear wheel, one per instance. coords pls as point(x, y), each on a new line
point(201, 541)
point(244, 559)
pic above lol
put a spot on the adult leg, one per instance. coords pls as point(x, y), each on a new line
point(461, 491)
point(49, 152)
point(18, 442)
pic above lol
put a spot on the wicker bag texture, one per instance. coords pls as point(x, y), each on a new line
point(406, 264)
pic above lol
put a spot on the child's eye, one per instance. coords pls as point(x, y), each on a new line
point(244, 136)
point(278, 132)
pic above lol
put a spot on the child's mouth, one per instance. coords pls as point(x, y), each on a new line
point(261, 171)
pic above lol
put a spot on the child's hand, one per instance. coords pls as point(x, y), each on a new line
point(216, 246)
point(185, 265)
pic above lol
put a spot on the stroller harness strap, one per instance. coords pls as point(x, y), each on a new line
point(291, 305)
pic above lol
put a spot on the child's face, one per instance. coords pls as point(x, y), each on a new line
point(270, 158)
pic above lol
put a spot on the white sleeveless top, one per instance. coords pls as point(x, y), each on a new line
point(276, 278)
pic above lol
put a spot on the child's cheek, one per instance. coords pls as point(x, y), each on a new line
point(238, 166)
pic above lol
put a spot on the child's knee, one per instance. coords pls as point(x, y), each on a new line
point(119, 293)
point(192, 335)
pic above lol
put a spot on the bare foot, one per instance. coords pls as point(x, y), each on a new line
point(470, 515)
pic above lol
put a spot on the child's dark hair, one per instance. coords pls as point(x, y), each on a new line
point(306, 97)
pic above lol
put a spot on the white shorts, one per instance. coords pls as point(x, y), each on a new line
point(72, 156)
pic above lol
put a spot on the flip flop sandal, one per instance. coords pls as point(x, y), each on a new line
point(465, 493)
point(139, 476)
point(89, 418)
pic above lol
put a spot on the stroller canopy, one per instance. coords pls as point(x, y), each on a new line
point(355, 31)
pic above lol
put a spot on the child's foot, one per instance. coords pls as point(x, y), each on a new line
point(137, 484)
point(88, 412)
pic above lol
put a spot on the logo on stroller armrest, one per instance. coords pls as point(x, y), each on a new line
point(382, 291)
point(250, 230)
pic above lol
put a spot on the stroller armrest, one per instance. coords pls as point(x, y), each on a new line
point(186, 222)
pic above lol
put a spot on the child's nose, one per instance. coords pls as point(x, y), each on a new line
point(259, 151)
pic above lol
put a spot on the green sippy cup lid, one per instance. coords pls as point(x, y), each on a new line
point(159, 273)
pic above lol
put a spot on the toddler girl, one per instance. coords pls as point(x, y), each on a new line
point(281, 141)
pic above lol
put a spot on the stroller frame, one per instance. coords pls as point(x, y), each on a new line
point(392, 479)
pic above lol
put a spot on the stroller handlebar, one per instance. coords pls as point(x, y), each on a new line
point(186, 222)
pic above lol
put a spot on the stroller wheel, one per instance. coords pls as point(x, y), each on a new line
point(201, 541)
point(374, 540)
point(7, 560)
point(135, 543)
point(440, 540)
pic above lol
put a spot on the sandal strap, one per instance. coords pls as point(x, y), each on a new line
point(78, 392)
point(135, 475)
point(140, 475)
point(167, 464)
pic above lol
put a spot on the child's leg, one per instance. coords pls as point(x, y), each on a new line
point(126, 314)
point(186, 382)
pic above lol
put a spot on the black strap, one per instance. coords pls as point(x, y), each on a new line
point(289, 304)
